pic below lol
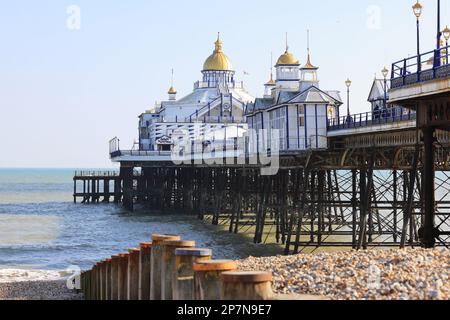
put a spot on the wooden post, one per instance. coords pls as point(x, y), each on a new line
point(133, 274)
point(168, 265)
point(156, 264)
point(207, 282)
point(238, 285)
point(123, 277)
point(108, 279)
point(115, 277)
point(145, 270)
point(183, 278)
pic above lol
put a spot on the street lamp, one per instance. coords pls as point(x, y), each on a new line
point(385, 73)
point(417, 9)
point(446, 34)
point(348, 83)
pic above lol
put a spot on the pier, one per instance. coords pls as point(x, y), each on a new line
point(95, 187)
point(376, 179)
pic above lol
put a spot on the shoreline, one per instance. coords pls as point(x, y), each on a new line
point(394, 274)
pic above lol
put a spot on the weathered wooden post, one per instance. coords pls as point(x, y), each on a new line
point(102, 265)
point(207, 282)
point(88, 281)
point(144, 270)
point(133, 274)
point(168, 265)
point(115, 277)
point(183, 279)
point(156, 263)
point(92, 284)
point(123, 277)
point(95, 278)
point(241, 285)
point(108, 279)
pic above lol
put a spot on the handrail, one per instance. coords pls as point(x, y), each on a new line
point(88, 173)
point(368, 119)
point(424, 67)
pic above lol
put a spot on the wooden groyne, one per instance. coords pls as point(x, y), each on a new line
point(169, 268)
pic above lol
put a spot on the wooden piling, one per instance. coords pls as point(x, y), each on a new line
point(183, 277)
point(156, 263)
point(207, 281)
point(145, 270)
point(240, 285)
point(122, 291)
point(133, 274)
point(107, 278)
point(115, 277)
point(168, 265)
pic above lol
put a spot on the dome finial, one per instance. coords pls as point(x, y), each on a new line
point(218, 43)
point(308, 64)
point(287, 43)
point(172, 90)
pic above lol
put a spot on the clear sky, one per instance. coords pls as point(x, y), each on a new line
point(65, 92)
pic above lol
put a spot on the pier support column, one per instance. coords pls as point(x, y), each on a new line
point(126, 174)
point(168, 265)
point(183, 278)
point(428, 232)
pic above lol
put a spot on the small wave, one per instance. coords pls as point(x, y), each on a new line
point(22, 275)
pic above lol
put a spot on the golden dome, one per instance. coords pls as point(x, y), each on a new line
point(309, 65)
point(218, 61)
point(288, 59)
point(172, 90)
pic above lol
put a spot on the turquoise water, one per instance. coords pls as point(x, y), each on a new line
point(41, 228)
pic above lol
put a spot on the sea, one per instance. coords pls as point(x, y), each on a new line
point(43, 232)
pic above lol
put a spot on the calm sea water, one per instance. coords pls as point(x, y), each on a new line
point(41, 228)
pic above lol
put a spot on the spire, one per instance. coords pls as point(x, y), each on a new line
point(308, 64)
point(172, 91)
point(218, 44)
point(271, 82)
point(287, 43)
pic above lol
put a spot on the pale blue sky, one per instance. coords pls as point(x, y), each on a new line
point(65, 93)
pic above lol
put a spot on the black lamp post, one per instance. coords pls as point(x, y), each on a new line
point(417, 9)
point(348, 84)
point(439, 34)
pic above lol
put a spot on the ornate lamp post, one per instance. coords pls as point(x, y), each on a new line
point(348, 84)
point(446, 34)
point(385, 73)
point(417, 9)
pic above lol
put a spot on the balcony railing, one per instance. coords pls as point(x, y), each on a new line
point(425, 67)
point(371, 119)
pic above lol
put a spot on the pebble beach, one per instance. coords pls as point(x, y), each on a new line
point(410, 274)
point(21, 284)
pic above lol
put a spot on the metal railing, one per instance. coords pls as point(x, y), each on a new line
point(425, 67)
point(368, 119)
point(88, 173)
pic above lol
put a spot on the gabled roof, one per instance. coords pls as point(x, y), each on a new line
point(377, 90)
point(260, 104)
point(315, 95)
